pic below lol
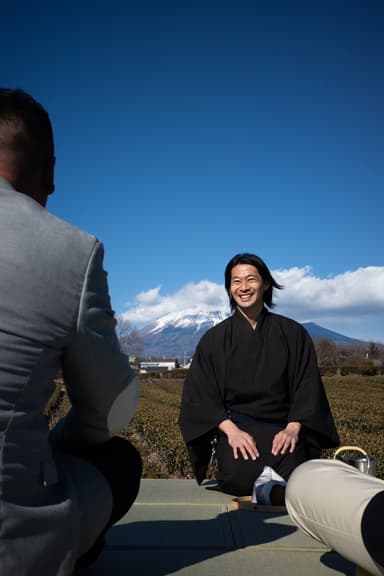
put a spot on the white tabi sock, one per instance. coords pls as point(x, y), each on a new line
point(264, 484)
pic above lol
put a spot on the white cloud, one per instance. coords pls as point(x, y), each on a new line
point(360, 291)
point(150, 297)
point(351, 303)
point(150, 305)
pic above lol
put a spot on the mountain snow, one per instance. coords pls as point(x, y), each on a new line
point(191, 318)
point(176, 334)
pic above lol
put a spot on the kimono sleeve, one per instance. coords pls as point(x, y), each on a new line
point(309, 403)
point(202, 405)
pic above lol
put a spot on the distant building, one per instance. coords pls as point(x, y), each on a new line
point(151, 366)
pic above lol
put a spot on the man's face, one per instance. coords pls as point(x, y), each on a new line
point(247, 288)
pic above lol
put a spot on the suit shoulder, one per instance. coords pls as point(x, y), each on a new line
point(67, 242)
point(40, 228)
point(66, 231)
point(31, 216)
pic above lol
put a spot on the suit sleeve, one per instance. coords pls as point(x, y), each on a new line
point(101, 385)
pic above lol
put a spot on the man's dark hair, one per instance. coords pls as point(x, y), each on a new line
point(263, 270)
point(25, 129)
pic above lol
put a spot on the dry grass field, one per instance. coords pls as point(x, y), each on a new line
point(357, 403)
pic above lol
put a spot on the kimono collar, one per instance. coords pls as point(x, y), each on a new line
point(238, 316)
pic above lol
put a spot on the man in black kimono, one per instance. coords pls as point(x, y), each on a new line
point(254, 390)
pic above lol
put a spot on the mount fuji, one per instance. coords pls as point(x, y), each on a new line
point(177, 334)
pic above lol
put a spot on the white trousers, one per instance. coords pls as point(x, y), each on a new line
point(327, 499)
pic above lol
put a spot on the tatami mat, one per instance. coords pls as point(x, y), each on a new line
point(178, 527)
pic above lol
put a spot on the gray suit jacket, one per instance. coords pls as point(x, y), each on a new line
point(54, 313)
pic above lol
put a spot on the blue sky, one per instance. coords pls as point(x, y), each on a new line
point(188, 131)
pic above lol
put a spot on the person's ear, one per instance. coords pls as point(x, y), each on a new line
point(50, 175)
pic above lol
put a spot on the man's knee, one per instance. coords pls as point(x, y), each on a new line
point(122, 449)
point(116, 454)
point(297, 484)
point(236, 487)
point(121, 464)
point(238, 477)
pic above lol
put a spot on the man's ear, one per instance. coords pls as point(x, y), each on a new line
point(50, 175)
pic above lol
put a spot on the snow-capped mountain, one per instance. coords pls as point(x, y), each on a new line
point(191, 318)
point(177, 334)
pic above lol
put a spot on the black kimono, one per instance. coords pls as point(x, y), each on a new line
point(268, 375)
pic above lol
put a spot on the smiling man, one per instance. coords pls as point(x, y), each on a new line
point(254, 392)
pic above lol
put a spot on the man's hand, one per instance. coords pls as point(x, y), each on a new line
point(287, 439)
point(239, 441)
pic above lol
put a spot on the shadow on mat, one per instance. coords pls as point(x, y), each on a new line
point(161, 547)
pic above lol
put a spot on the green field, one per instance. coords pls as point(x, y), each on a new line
point(357, 403)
